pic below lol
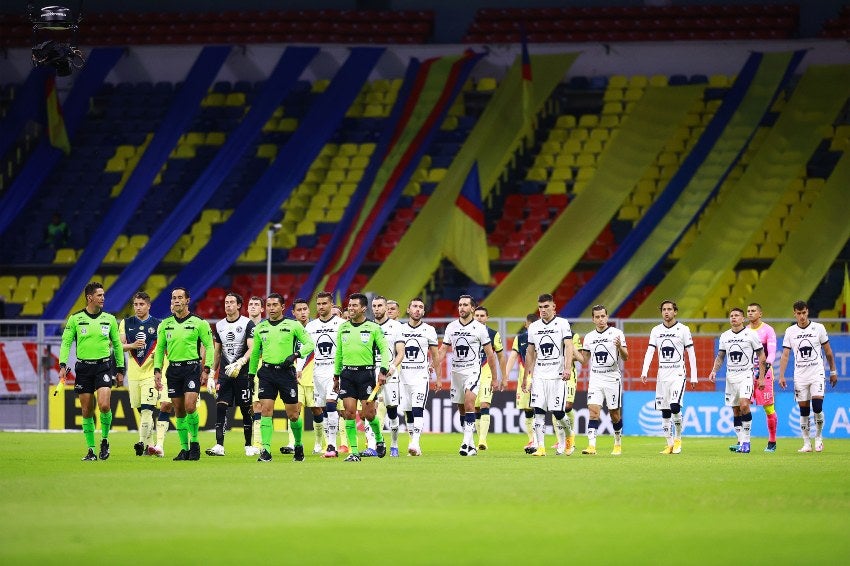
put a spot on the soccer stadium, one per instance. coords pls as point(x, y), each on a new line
point(491, 239)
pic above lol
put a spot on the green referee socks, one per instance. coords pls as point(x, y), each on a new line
point(105, 423)
point(351, 433)
point(182, 432)
point(297, 430)
point(266, 430)
point(192, 422)
point(88, 431)
point(375, 425)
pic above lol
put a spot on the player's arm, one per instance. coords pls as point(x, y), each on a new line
point(399, 356)
point(762, 367)
point(771, 350)
point(306, 344)
point(783, 363)
point(620, 343)
point(159, 356)
point(216, 357)
point(583, 355)
point(209, 349)
point(830, 358)
point(530, 360)
point(692, 362)
point(254, 362)
point(68, 336)
point(569, 357)
point(718, 362)
point(381, 343)
point(491, 359)
point(647, 360)
point(117, 351)
point(434, 352)
point(503, 368)
point(121, 334)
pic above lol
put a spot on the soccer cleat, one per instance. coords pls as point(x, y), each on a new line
point(734, 447)
point(539, 452)
point(104, 449)
point(472, 451)
point(744, 448)
point(807, 447)
point(90, 456)
point(217, 450)
point(344, 449)
point(530, 448)
point(265, 456)
point(368, 453)
point(381, 449)
point(667, 450)
point(299, 454)
point(330, 452)
point(570, 445)
point(182, 455)
point(317, 449)
point(677, 446)
point(818, 444)
point(482, 445)
point(287, 450)
point(352, 458)
point(589, 450)
point(617, 451)
point(560, 450)
point(771, 447)
point(414, 451)
point(464, 450)
point(156, 451)
point(139, 447)
point(394, 452)
point(252, 451)
point(194, 451)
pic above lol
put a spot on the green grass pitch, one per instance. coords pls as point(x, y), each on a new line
point(705, 506)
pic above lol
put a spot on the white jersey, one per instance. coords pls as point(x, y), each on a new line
point(466, 342)
point(392, 334)
point(807, 347)
point(604, 355)
point(233, 337)
point(670, 343)
point(323, 334)
point(417, 341)
point(741, 348)
point(548, 340)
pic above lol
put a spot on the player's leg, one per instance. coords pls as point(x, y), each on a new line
point(563, 426)
point(296, 423)
point(802, 394)
point(149, 397)
point(662, 404)
point(572, 386)
point(743, 394)
point(134, 390)
point(227, 391)
point(269, 387)
point(765, 398)
point(256, 434)
point(539, 405)
point(103, 383)
point(244, 392)
point(729, 400)
point(523, 403)
point(482, 411)
point(176, 388)
point(369, 414)
point(302, 400)
point(193, 419)
point(320, 441)
point(676, 398)
point(391, 396)
point(816, 391)
point(163, 421)
point(614, 398)
point(470, 392)
point(595, 398)
point(84, 386)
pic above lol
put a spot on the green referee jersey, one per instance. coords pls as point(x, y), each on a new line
point(276, 340)
point(96, 336)
point(356, 345)
point(181, 339)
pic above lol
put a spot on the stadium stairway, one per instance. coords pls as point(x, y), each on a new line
point(642, 136)
point(698, 178)
point(811, 248)
point(740, 212)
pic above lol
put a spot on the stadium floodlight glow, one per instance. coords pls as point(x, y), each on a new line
point(54, 38)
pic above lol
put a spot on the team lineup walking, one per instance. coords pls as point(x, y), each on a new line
point(345, 368)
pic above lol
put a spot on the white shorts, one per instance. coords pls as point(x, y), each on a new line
point(414, 394)
point(668, 392)
point(737, 391)
point(143, 392)
point(805, 391)
point(548, 394)
point(461, 383)
point(610, 392)
point(323, 390)
point(391, 391)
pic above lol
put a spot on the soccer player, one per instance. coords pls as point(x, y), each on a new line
point(603, 348)
point(391, 391)
point(465, 338)
point(742, 346)
point(138, 338)
point(392, 309)
point(180, 337)
point(279, 342)
point(255, 314)
point(337, 310)
point(485, 390)
point(572, 387)
point(523, 398)
point(550, 351)
point(95, 333)
point(764, 397)
point(354, 372)
point(233, 342)
point(420, 360)
point(671, 340)
point(808, 340)
point(304, 373)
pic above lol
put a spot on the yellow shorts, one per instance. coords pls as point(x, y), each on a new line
point(305, 395)
point(485, 391)
point(255, 396)
point(572, 386)
point(143, 392)
point(523, 398)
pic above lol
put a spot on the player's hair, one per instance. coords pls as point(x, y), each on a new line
point(300, 300)
point(545, 297)
point(596, 308)
point(92, 288)
point(669, 302)
point(143, 296)
point(185, 291)
point(532, 317)
point(483, 309)
point(256, 298)
point(758, 306)
point(379, 298)
point(414, 299)
point(472, 301)
point(360, 298)
point(236, 296)
point(276, 296)
point(324, 295)
point(392, 302)
point(801, 305)
point(736, 309)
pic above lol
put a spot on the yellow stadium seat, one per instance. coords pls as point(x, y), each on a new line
point(267, 150)
point(33, 308)
point(537, 174)
point(214, 99)
point(580, 134)
point(253, 254)
point(566, 122)
point(572, 147)
point(126, 255)
point(718, 81)
point(366, 149)
point(328, 189)
point(359, 162)
point(618, 81)
point(320, 201)
point(373, 111)
point(305, 228)
point(544, 160)
point(585, 173)
point(612, 108)
point(641, 199)
point(565, 160)
point(562, 174)
point(449, 124)
point(486, 84)
point(613, 95)
point(436, 174)
point(768, 250)
point(115, 165)
point(314, 215)
point(214, 138)
point(347, 189)
point(550, 147)
point(138, 241)
point(334, 215)
point(287, 125)
point(354, 176)
point(586, 160)
point(588, 121)
point(335, 176)
point(347, 149)
point(668, 158)
point(340, 162)
point(638, 82)
point(629, 212)
point(609, 120)
point(555, 188)
point(125, 151)
point(633, 95)
point(183, 152)
point(599, 134)
point(658, 80)
point(7, 284)
point(65, 256)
